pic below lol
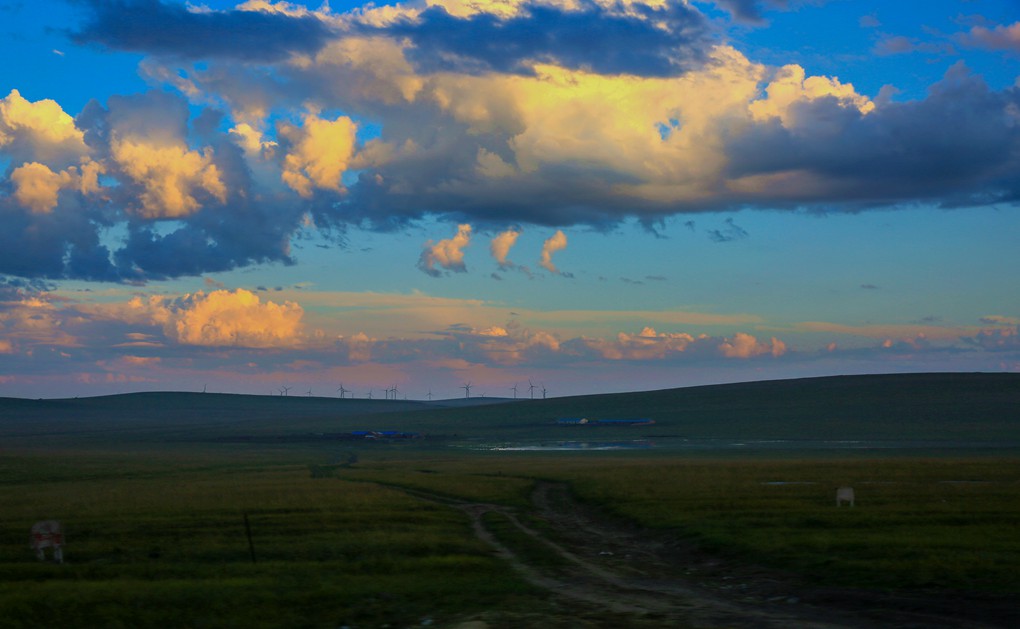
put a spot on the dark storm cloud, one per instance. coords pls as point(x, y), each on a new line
point(959, 146)
point(645, 41)
point(155, 27)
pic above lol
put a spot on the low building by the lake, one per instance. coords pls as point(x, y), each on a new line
point(584, 421)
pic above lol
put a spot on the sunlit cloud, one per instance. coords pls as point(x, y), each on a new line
point(172, 177)
point(500, 247)
point(744, 345)
point(34, 320)
point(447, 253)
point(39, 130)
point(645, 345)
point(221, 318)
point(467, 117)
point(37, 187)
point(319, 152)
point(556, 242)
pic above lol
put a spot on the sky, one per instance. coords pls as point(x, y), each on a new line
point(562, 196)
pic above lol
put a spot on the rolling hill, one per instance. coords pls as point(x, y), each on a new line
point(937, 408)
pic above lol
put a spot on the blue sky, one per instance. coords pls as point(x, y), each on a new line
point(596, 196)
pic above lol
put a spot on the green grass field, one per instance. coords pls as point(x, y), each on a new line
point(154, 509)
point(918, 523)
point(161, 546)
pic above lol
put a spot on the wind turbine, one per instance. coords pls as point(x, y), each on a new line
point(285, 390)
point(204, 387)
point(514, 389)
point(343, 391)
point(309, 393)
point(531, 388)
point(370, 394)
point(394, 389)
point(467, 389)
point(430, 395)
point(543, 390)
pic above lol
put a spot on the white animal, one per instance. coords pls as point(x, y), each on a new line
point(48, 534)
point(845, 494)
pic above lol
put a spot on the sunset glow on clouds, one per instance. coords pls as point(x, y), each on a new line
point(650, 194)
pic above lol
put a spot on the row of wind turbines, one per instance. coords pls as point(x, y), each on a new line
point(392, 392)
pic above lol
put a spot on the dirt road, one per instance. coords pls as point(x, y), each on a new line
point(610, 573)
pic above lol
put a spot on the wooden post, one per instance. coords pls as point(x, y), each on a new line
point(247, 531)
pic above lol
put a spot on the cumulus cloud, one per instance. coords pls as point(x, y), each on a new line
point(318, 153)
point(37, 187)
point(651, 345)
point(221, 318)
point(30, 319)
point(791, 87)
point(357, 347)
point(500, 247)
point(552, 244)
point(509, 344)
point(495, 113)
point(962, 141)
point(1001, 37)
point(447, 253)
point(39, 130)
point(172, 177)
point(744, 345)
point(136, 161)
point(645, 345)
point(996, 339)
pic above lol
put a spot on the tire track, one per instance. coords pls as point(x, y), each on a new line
point(597, 585)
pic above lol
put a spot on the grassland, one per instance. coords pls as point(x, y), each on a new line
point(375, 534)
point(158, 546)
point(918, 523)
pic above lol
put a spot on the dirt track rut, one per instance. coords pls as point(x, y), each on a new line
point(643, 578)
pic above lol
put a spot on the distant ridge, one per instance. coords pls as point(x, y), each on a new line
point(931, 406)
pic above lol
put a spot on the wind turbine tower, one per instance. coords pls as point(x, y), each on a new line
point(467, 389)
point(531, 388)
point(514, 389)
